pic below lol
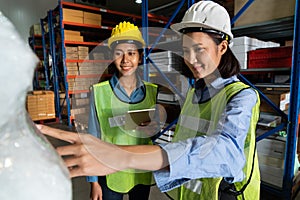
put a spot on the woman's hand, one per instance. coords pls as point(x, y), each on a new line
point(86, 155)
point(96, 191)
point(89, 156)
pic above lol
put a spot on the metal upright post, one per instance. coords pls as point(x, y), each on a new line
point(63, 52)
point(54, 64)
point(293, 123)
point(45, 62)
point(146, 37)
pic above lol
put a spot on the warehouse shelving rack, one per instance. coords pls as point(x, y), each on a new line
point(45, 46)
point(32, 43)
point(59, 79)
point(292, 119)
point(35, 42)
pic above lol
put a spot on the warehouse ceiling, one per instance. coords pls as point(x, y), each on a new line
point(164, 8)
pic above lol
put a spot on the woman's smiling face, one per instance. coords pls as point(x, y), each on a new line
point(201, 54)
point(126, 58)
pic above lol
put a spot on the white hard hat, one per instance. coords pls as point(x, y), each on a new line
point(205, 16)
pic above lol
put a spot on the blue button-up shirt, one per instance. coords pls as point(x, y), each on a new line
point(226, 157)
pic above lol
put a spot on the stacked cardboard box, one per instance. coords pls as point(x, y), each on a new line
point(71, 15)
point(81, 83)
point(242, 45)
point(92, 68)
point(73, 36)
point(83, 53)
point(40, 105)
point(72, 68)
point(91, 18)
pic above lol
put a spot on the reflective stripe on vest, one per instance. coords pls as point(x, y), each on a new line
point(116, 121)
point(194, 185)
point(195, 124)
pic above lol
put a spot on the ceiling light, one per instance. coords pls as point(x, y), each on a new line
point(138, 1)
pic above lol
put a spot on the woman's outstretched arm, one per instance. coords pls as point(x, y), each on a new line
point(87, 155)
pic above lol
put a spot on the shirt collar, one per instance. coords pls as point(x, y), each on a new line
point(220, 82)
point(114, 81)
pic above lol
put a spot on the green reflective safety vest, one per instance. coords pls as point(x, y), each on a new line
point(111, 112)
point(202, 119)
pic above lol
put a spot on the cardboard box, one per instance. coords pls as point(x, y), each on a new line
point(74, 38)
point(72, 56)
point(72, 68)
point(263, 10)
point(91, 18)
point(74, 19)
point(40, 105)
point(89, 15)
point(35, 29)
point(72, 12)
point(72, 72)
point(69, 32)
point(71, 50)
point(92, 22)
point(83, 57)
point(289, 43)
point(280, 98)
point(83, 49)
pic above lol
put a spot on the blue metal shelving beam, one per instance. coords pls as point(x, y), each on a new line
point(293, 123)
point(45, 63)
point(54, 64)
point(145, 33)
point(271, 132)
point(64, 57)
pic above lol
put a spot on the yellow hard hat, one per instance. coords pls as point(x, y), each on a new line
point(126, 32)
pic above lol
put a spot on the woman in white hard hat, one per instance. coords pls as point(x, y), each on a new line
point(109, 101)
point(213, 155)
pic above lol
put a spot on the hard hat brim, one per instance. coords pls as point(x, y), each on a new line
point(182, 25)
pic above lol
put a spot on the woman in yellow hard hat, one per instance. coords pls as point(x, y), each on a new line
point(109, 102)
point(213, 155)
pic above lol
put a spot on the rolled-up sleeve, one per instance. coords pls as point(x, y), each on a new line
point(218, 155)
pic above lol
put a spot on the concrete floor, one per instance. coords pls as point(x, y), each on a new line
point(81, 191)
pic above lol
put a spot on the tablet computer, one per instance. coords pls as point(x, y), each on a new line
point(134, 118)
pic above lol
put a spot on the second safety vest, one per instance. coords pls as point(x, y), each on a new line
point(202, 119)
point(111, 111)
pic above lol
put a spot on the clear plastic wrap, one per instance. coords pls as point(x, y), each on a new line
point(29, 166)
